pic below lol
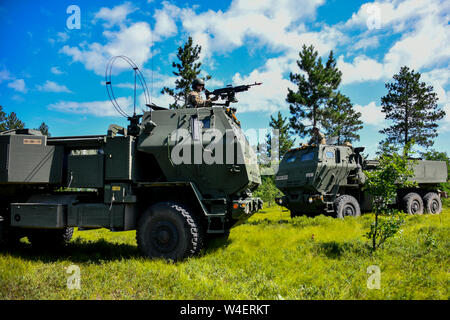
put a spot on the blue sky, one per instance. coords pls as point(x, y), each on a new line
point(51, 73)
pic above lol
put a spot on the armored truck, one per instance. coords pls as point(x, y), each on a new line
point(165, 175)
point(329, 179)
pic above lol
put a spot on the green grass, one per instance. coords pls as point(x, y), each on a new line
point(269, 257)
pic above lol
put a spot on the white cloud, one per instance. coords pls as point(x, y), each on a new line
point(371, 114)
point(424, 39)
point(439, 79)
point(4, 75)
point(96, 108)
point(425, 46)
point(62, 36)
point(50, 86)
point(396, 15)
point(116, 15)
point(214, 83)
point(160, 100)
point(273, 23)
point(133, 41)
point(270, 96)
point(361, 69)
point(55, 70)
point(365, 43)
point(18, 98)
point(165, 24)
point(18, 85)
point(280, 26)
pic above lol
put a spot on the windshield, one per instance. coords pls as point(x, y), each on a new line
point(307, 156)
point(300, 156)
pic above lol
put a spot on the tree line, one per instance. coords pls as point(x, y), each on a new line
point(410, 104)
point(10, 121)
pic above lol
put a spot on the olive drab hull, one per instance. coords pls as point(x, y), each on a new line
point(195, 163)
point(186, 148)
point(313, 178)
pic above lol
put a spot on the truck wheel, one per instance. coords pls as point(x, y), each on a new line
point(433, 203)
point(412, 203)
point(50, 238)
point(216, 238)
point(168, 230)
point(295, 214)
point(9, 237)
point(224, 235)
point(346, 205)
point(2, 227)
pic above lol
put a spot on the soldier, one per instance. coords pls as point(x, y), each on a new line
point(194, 98)
point(317, 137)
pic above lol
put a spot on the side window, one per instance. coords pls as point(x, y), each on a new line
point(195, 128)
point(329, 154)
point(338, 156)
point(206, 123)
point(291, 158)
point(307, 156)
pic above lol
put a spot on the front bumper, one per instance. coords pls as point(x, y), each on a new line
point(244, 208)
point(306, 203)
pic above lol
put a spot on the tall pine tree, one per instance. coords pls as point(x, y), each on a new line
point(315, 85)
point(43, 128)
point(187, 69)
point(9, 121)
point(412, 107)
point(285, 141)
point(2, 118)
point(342, 120)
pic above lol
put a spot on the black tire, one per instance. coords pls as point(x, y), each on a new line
point(168, 230)
point(346, 205)
point(432, 203)
point(295, 214)
point(50, 238)
point(9, 237)
point(2, 227)
point(412, 203)
point(222, 236)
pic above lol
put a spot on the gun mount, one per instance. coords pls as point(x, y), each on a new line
point(228, 93)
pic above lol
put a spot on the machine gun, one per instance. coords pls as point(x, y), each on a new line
point(229, 93)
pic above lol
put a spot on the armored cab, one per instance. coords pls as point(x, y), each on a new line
point(329, 179)
point(179, 177)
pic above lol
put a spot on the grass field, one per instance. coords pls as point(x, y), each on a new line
point(269, 257)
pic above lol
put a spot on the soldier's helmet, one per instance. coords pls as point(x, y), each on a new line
point(348, 144)
point(197, 82)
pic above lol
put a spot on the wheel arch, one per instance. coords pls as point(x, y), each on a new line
point(185, 193)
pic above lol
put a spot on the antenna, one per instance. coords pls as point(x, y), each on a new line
point(137, 76)
point(133, 128)
point(151, 84)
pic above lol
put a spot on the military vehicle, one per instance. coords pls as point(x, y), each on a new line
point(129, 179)
point(329, 179)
